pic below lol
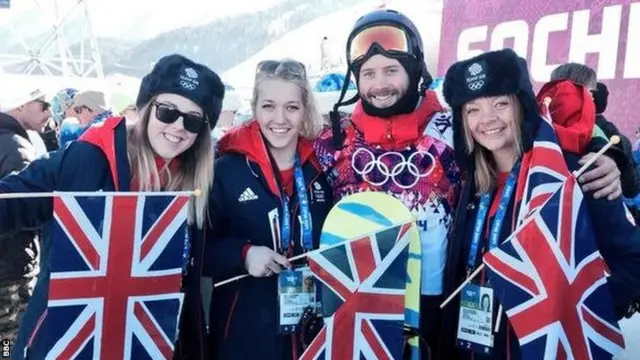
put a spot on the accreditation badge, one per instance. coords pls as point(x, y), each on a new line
point(475, 322)
point(296, 292)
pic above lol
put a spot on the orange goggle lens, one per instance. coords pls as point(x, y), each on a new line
point(390, 38)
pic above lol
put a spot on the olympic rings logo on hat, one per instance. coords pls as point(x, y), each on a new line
point(475, 76)
point(189, 80)
point(188, 85)
point(476, 85)
point(401, 167)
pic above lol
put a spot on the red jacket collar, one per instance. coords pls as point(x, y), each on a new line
point(102, 135)
point(399, 130)
point(247, 140)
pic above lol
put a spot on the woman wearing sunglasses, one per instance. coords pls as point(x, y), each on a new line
point(269, 206)
point(169, 149)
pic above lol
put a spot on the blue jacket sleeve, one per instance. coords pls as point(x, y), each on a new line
point(61, 170)
point(222, 254)
point(618, 239)
point(20, 214)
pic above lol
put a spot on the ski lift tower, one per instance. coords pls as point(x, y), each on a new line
point(49, 37)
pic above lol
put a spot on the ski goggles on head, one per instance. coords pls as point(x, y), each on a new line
point(285, 66)
point(168, 115)
point(388, 37)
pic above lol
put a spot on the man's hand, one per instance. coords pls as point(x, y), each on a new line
point(261, 261)
point(604, 179)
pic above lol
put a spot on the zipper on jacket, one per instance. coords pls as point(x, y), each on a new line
point(35, 331)
point(231, 311)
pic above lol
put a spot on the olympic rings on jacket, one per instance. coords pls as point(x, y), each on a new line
point(391, 171)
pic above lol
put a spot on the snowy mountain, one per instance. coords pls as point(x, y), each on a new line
point(224, 43)
point(303, 44)
point(125, 47)
point(132, 35)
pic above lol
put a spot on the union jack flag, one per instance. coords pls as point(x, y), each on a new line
point(550, 276)
point(363, 297)
point(116, 273)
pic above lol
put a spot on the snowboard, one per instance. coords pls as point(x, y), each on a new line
point(378, 221)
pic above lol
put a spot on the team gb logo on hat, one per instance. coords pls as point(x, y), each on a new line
point(189, 80)
point(475, 77)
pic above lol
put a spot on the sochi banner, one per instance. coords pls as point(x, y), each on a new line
point(600, 33)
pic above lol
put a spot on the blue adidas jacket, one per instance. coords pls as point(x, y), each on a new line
point(85, 166)
point(244, 200)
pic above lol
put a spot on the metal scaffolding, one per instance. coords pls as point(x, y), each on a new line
point(68, 46)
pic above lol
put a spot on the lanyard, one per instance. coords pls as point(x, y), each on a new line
point(286, 241)
point(186, 252)
point(481, 216)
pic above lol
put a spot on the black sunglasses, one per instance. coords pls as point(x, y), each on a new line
point(168, 115)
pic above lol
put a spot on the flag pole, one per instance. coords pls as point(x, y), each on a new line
point(196, 193)
point(464, 283)
point(312, 252)
point(297, 257)
point(498, 318)
point(614, 140)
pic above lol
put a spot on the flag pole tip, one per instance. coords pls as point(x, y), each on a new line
point(197, 192)
point(615, 139)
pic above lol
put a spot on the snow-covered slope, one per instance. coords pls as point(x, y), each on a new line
point(303, 44)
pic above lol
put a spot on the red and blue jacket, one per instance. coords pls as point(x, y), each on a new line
point(97, 162)
point(245, 208)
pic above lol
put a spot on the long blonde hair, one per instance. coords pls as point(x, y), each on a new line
point(486, 174)
point(196, 165)
point(294, 72)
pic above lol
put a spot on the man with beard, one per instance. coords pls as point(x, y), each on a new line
point(399, 140)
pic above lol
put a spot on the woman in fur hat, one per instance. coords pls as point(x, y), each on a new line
point(168, 149)
point(519, 181)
